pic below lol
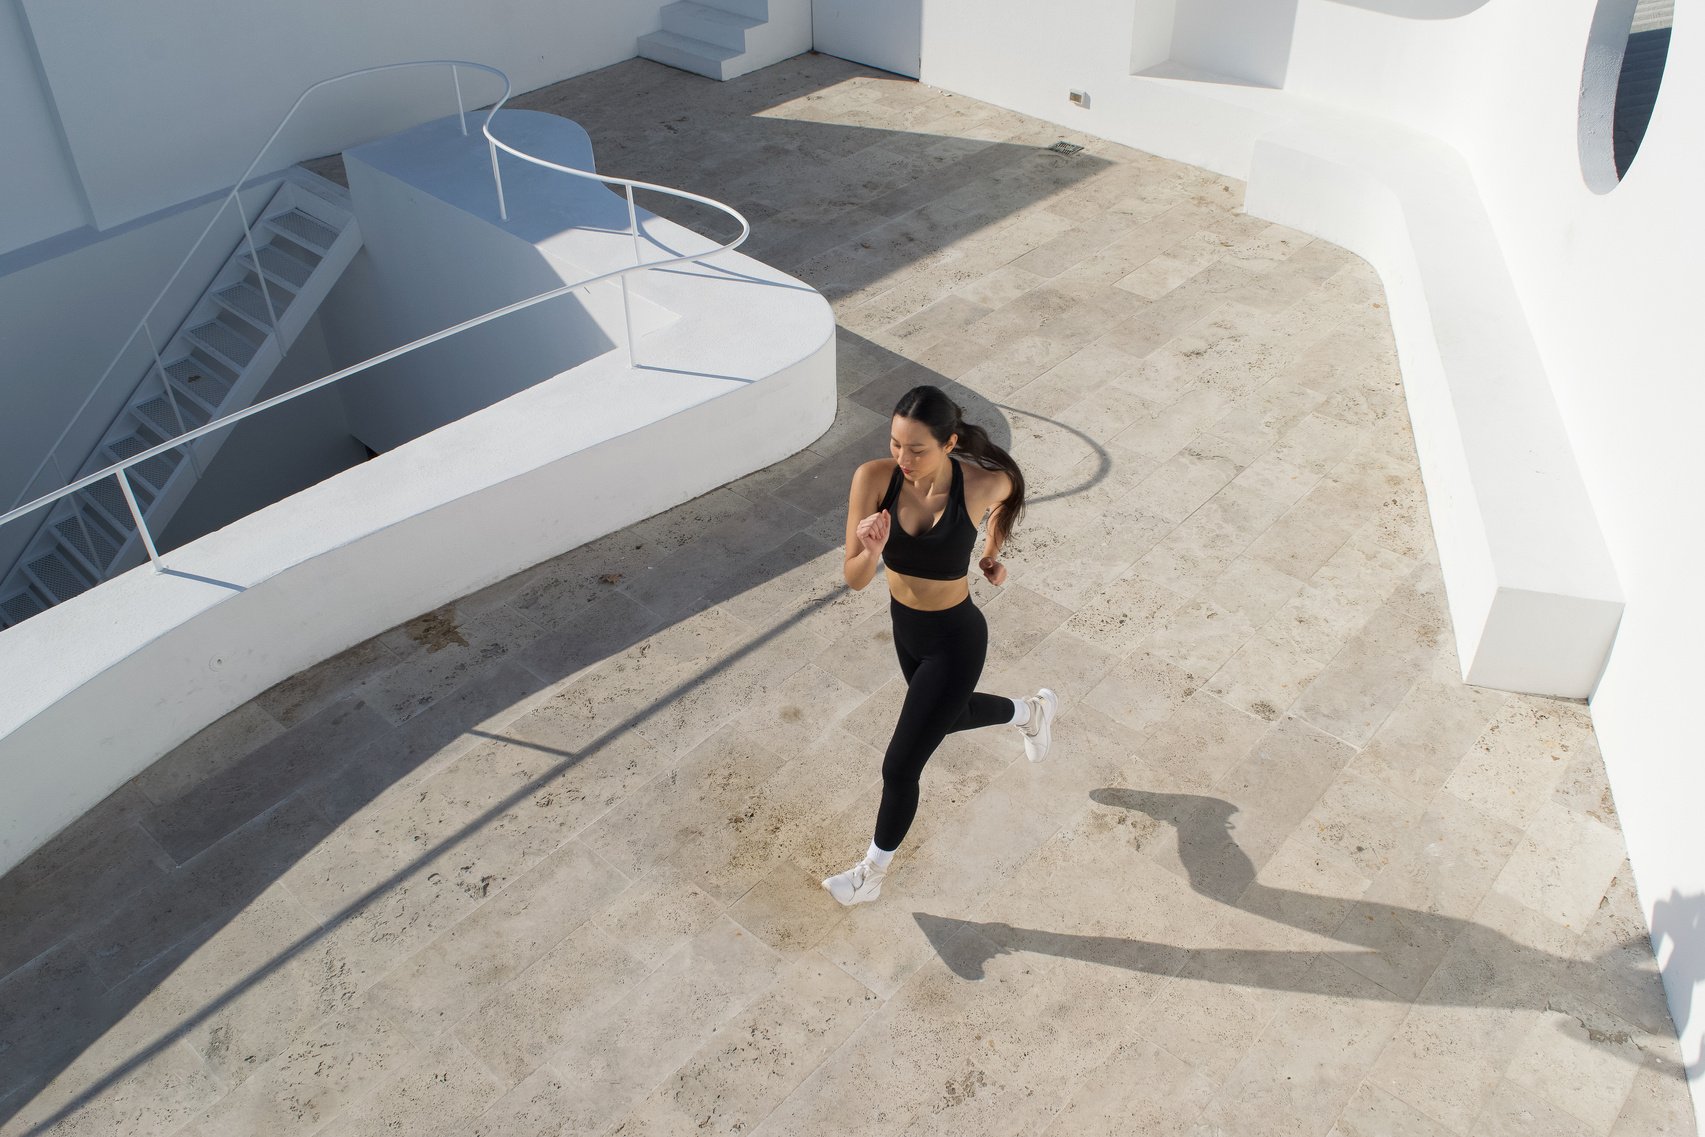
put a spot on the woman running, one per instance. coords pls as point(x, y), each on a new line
point(916, 513)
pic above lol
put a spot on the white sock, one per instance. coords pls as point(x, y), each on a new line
point(879, 857)
point(1020, 713)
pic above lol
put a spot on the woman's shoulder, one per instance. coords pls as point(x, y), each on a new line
point(984, 484)
point(875, 470)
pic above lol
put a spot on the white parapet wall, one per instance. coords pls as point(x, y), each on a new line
point(102, 685)
point(1598, 287)
point(1534, 598)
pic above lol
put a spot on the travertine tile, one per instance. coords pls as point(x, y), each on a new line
point(646, 1036)
point(1375, 1113)
point(343, 675)
point(1563, 866)
point(1584, 1068)
point(440, 1093)
point(437, 987)
point(559, 998)
point(1520, 758)
point(756, 1060)
point(320, 1075)
point(1310, 1060)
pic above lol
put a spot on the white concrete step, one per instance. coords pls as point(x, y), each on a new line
point(758, 10)
point(687, 54)
point(710, 24)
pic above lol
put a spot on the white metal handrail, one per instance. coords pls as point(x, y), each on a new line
point(118, 469)
point(143, 327)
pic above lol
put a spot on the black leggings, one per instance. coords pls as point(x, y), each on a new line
point(941, 655)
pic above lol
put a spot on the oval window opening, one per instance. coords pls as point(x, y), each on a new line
point(1626, 52)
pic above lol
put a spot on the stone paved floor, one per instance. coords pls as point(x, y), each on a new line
point(546, 861)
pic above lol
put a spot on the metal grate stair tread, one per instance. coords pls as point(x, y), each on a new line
point(20, 606)
point(248, 302)
point(160, 414)
point(200, 382)
point(224, 342)
point(108, 499)
point(88, 541)
point(304, 229)
point(279, 265)
point(57, 577)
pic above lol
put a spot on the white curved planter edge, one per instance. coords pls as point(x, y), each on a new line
point(105, 684)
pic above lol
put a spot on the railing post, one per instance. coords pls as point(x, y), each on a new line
point(497, 177)
point(627, 303)
point(141, 524)
point(460, 112)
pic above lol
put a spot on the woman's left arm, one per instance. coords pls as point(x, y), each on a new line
point(999, 487)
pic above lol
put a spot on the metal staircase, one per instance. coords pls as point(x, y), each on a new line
point(217, 362)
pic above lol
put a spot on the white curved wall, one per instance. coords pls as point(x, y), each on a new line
point(1609, 286)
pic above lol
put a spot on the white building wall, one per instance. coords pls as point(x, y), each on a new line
point(162, 103)
point(37, 183)
point(1609, 284)
point(114, 112)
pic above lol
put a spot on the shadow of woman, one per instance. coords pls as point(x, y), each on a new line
point(1399, 950)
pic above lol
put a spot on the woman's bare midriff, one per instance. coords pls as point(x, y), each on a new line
point(927, 595)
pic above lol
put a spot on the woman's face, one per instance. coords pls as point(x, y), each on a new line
point(915, 449)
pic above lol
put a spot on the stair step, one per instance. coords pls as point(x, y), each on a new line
point(107, 501)
point(20, 606)
point(758, 10)
point(131, 445)
point(57, 576)
point(279, 265)
point(223, 341)
point(712, 25)
point(247, 301)
point(201, 382)
point(158, 413)
point(88, 539)
point(304, 229)
point(686, 54)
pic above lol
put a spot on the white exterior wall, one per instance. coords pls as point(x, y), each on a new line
point(162, 103)
point(144, 661)
point(115, 112)
point(37, 182)
point(1609, 285)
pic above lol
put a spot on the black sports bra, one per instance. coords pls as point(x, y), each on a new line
point(942, 553)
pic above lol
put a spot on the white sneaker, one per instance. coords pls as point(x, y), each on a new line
point(1039, 731)
point(858, 885)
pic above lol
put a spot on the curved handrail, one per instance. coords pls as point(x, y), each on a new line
point(117, 469)
point(233, 196)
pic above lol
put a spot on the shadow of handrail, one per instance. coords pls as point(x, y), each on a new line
point(568, 759)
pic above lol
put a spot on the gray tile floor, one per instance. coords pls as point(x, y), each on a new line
point(546, 861)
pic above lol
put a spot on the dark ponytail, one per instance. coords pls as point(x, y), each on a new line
point(932, 407)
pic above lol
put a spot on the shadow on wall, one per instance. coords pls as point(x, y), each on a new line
point(108, 932)
point(1679, 921)
point(1418, 9)
point(1247, 42)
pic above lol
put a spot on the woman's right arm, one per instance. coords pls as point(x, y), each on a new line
point(866, 535)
